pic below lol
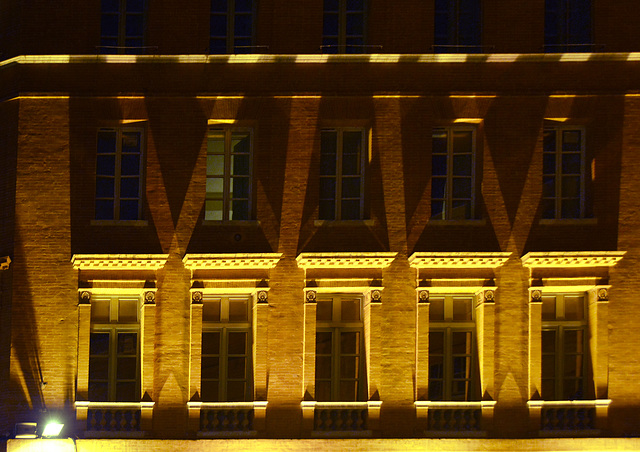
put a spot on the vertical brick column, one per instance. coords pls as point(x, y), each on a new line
point(260, 349)
point(599, 339)
point(485, 328)
point(374, 337)
point(84, 339)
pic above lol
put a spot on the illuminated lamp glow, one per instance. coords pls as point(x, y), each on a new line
point(52, 429)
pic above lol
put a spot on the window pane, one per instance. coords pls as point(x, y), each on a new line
point(211, 310)
point(210, 391)
point(437, 210)
point(219, 6)
point(215, 165)
point(462, 165)
point(549, 163)
point(570, 186)
point(436, 366)
point(460, 210)
point(350, 187)
point(106, 165)
point(211, 343)
point(324, 310)
point(236, 391)
point(109, 24)
point(435, 389)
point(323, 343)
point(351, 209)
point(436, 342)
point(213, 210)
point(462, 187)
point(349, 367)
point(462, 141)
point(240, 164)
point(111, 6)
point(548, 308)
point(462, 309)
point(460, 390)
point(126, 368)
point(439, 165)
point(98, 368)
point(350, 342)
point(548, 366)
point(237, 343)
point(126, 392)
point(134, 25)
point(244, 5)
point(348, 391)
point(461, 367)
point(210, 367)
point(355, 24)
point(135, 6)
point(350, 164)
point(98, 391)
point(549, 341)
point(104, 209)
point(330, 24)
point(350, 310)
point(100, 313)
point(129, 210)
point(240, 187)
point(549, 186)
point(573, 341)
point(327, 188)
point(323, 391)
point(236, 367)
point(238, 310)
point(127, 311)
point(243, 25)
point(436, 309)
point(327, 210)
point(127, 343)
point(323, 367)
point(571, 163)
point(461, 342)
point(129, 187)
point(215, 186)
point(573, 308)
point(239, 210)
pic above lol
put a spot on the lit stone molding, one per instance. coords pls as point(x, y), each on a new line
point(602, 293)
point(118, 261)
point(423, 296)
point(458, 260)
point(311, 296)
point(5, 262)
point(536, 296)
point(149, 297)
point(262, 296)
point(231, 261)
point(196, 297)
point(345, 260)
point(572, 259)
point(85, 297)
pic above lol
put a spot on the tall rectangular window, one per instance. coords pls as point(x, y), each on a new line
point(114, 360)
point(453, 372)
point(563, 173)
point(342, 162)
point(457, 26)
point(564, 347)
point(123, 26)
point(453, 189)
point(229, 184)
point(119, 174)
point(226, 349)
point(340, 367)
point(567, 26)
point(232, 26)
point(343, 28)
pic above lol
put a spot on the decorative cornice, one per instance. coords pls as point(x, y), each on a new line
point(345, 260)
point(118, 261)
point(573, 259)
point(458, 260)
point(231, 261)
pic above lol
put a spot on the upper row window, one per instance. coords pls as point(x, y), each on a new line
point(457, 26)
point(343, 158)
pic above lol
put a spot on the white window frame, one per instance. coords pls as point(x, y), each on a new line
point(336, 326)
point(224, 326)
point(558, 174)
point(113, 328)
point(448, 326)
point(118, 177)
point(448, 212)
point(230, 37)
point(560, 325)
point(339, 176)
point(228, 176)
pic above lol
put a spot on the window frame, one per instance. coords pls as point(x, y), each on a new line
point(560, 326)
point(118, 177)
point(557, 35)
point(227, 178)
point(342, 38)
point(225, 326)
point(451, 43)
point(448, 199)
point(448, 326)
point(336, 327)
point(338, 177)
point(122, 37)
point(558, 174)
point(113, 327)
point(230, 36)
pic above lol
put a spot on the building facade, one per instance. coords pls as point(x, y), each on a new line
point(270, 220)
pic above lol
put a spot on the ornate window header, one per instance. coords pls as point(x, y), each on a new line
point(572, 259)
point(345, 260)
point(231, 261)
point(118, 261)
point(458, 260)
